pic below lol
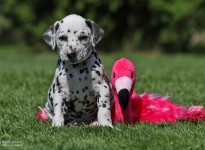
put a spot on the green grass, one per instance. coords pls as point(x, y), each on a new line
point(25, 79)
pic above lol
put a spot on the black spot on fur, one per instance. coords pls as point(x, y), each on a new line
point(105, 86)
point(51, 99)
point(81, 71)
point(85, 97)
point(53, 88)
point(57, 81)
point(99, 60)
point(66, 103)
point(64, 99)
point(74, 32)
point(88, 23)
point(91, 104)
point(68, 30)
point(75, 65)
point(77, 92)
point(57, 26)
point(95, 54)
point(87, 102)
point(59, 90)
point(97, 72)
point(79, 79)
point(66, 69)
point(94, 66)
point(61, 21)
point(49, 95)
point(56, 104)
point(71, 75)
point(97, 63)
point(97, 96)
point(93, 78)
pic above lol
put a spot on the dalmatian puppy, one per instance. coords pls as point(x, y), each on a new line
point(80, 92)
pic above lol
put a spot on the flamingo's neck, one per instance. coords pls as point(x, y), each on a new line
point(124, 115)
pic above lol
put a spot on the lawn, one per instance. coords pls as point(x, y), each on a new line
point(25, 78)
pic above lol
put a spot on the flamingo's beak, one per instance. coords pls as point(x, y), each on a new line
point(123, 86)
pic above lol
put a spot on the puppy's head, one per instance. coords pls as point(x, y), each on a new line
point(74, 37)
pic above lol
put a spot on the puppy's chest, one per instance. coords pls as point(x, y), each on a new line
point(76, 82)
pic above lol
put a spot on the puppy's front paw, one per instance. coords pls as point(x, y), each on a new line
point(57, 122)
point(94, 123)
point(107, 124)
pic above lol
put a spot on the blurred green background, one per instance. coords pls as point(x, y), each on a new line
point(169, 26)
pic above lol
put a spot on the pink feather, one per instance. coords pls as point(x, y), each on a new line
point(42, 114)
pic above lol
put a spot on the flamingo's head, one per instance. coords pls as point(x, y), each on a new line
point(123, 79)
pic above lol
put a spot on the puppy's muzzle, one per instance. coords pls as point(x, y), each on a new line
point(72, 55)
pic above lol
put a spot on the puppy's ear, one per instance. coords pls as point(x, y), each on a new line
point(96, 31)
point(50, 35)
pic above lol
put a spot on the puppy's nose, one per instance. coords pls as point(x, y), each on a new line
point(71, 55)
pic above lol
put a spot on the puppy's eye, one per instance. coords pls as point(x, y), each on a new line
point(83, 37)
point(63, 38)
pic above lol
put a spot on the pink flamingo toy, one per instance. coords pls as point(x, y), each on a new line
point(130, 107)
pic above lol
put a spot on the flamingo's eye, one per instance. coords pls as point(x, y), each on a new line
point(132, 75)
point(114, 75)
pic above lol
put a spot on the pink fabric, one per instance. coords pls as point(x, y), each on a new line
point(157, 109)
point(196, 113)
point(42, 114)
